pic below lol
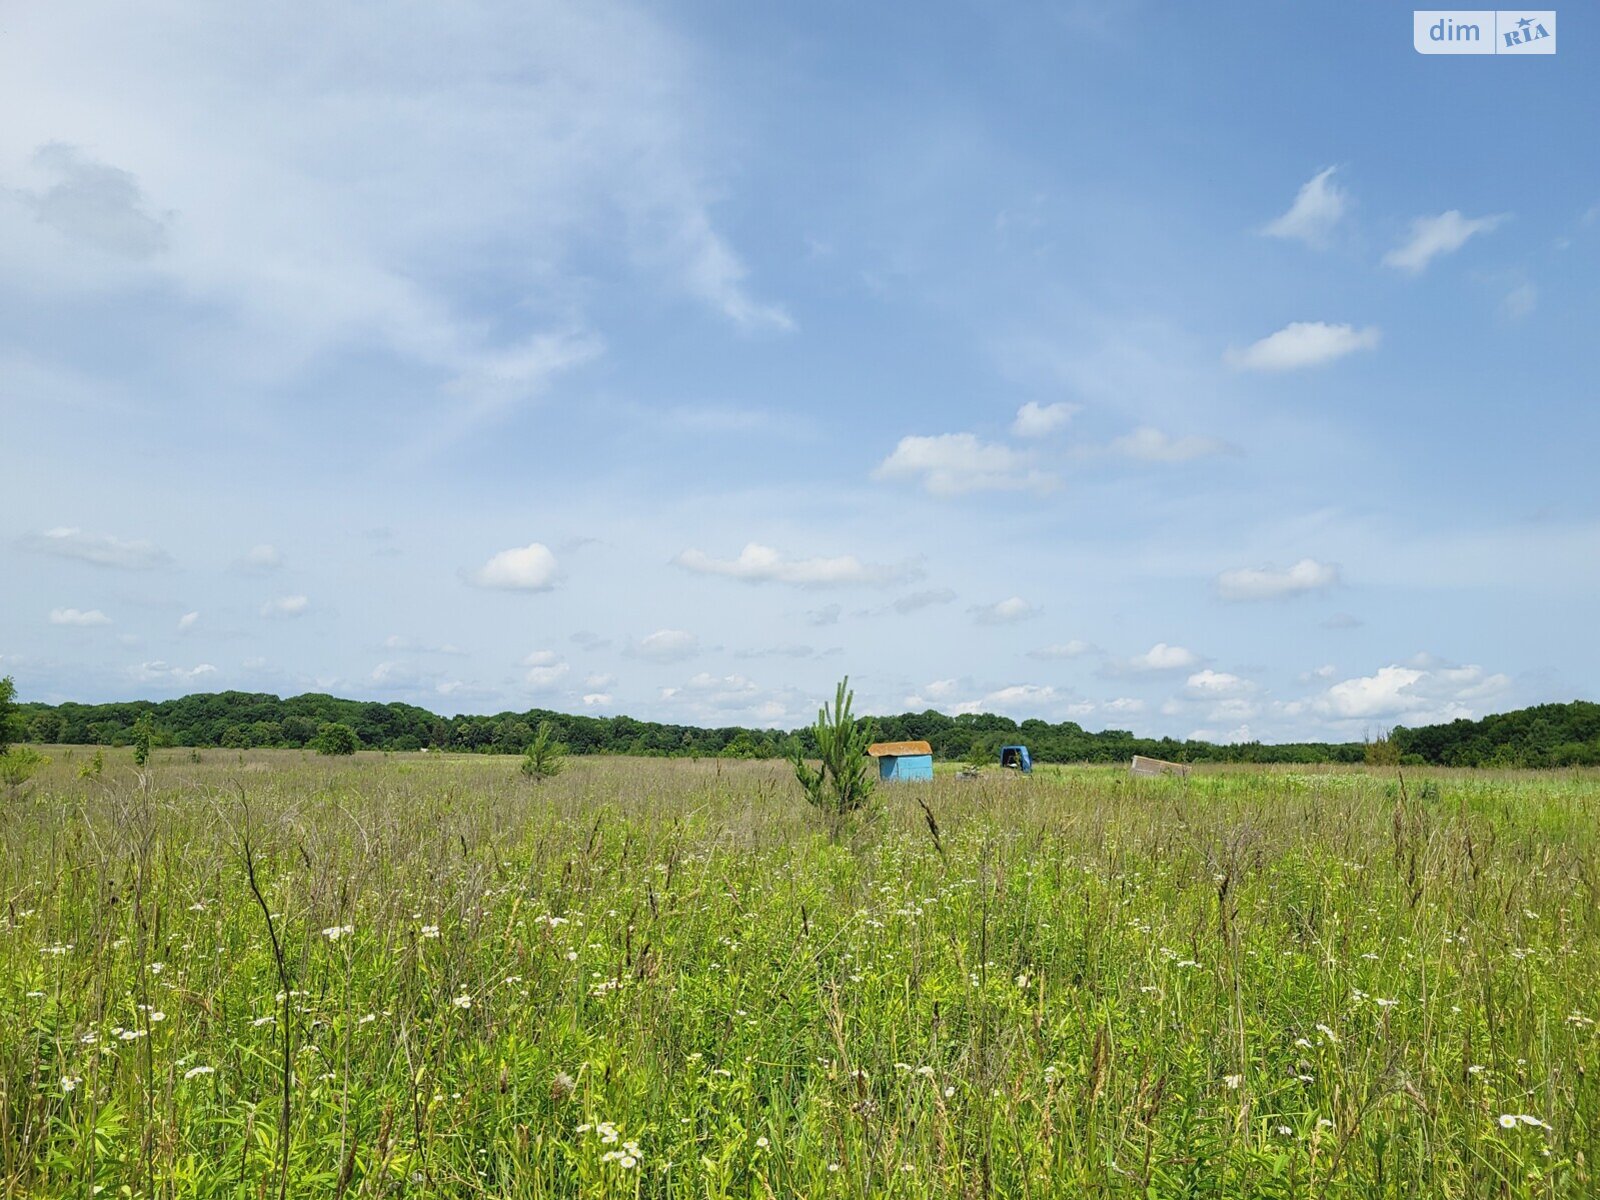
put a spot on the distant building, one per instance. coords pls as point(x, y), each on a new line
point(901, 761)
point(1152, 767)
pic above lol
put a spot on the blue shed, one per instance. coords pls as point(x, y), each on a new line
point(900, 761)
point(1016, 758)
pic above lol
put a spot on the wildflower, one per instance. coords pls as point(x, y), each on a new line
point(430, 931)
point(334, 932)
point(157, 1016)
point(70, 1083)
point(196, 1072)
point(1284, 1131)
point(1233, 1081)
point(762, 1142)
point(1534, 1121)
point(832, 1167)
point(948, 1092)
point(572, 956)
point(462, 1001)
point(1327, 1033)
point(1508, 1120)
point(562, 1087)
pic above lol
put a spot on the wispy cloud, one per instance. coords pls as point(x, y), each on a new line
point(1003, 612)
point(762, 564)
point(1148, 444)
point(82, 618)
point(666, 646)
point(99, 549)
point(1303, 344)
point(1432, 236)
point(1270, 583)
point(286, 606)
point(955, 464)
point(1318, 207)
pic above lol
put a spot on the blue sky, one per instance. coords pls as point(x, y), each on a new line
point(1224, 370)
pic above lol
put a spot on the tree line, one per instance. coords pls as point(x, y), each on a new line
point(1548, 735)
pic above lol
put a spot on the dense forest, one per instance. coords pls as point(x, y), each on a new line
point(1549, 735)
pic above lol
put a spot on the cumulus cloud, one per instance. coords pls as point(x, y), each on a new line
point(1433, 236)
point(1003, 612)
point(1303, 344)
point(187, 621)
point(1149, 444)
point(666, 646)
point(1058, 650)
point(596, 699)
point(100, 549)
point(530, 568)
point(1269, 583)
point(1416, 695)
point(956, 464)
point(1162, 657)
point(286, 606)
point(1317, 208)
point(94, 204)
point(762, 564)
point(1211, 684)
point(1040, 420)
point(1124, 706)
point(78, 616)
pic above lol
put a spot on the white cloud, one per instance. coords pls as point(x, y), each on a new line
point(264, 557)
point(162, 673)
point(100, 549)
point(599, 681)
point(596, 699)
point(530, 568)
point(1269, 583)
point(540, 658)
point(286, 606)
point(545, 676)
point(1149, 444)
point(762, 564)
point(1162, 657)
point(956, 464)
point(1041, 420)
point(1057, 650)
point(538, 131)
point(1419, 695)
point(78, 616)
point(1433, 236)
point(1124, 705)
point(1020, 699)
point(1211, 684)
point(187, 621)
point(1317, 208)
point(1303, 344)
point(667, 645)
point(1003, 612)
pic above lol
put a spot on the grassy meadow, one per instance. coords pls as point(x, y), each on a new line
point(663, 978)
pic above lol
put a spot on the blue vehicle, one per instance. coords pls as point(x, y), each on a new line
point(1016, 758)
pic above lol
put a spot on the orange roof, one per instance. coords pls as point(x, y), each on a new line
point(897, 749)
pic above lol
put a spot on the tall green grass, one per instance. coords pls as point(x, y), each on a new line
point(665, 979)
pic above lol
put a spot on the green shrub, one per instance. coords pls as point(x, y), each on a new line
point(334, 738)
